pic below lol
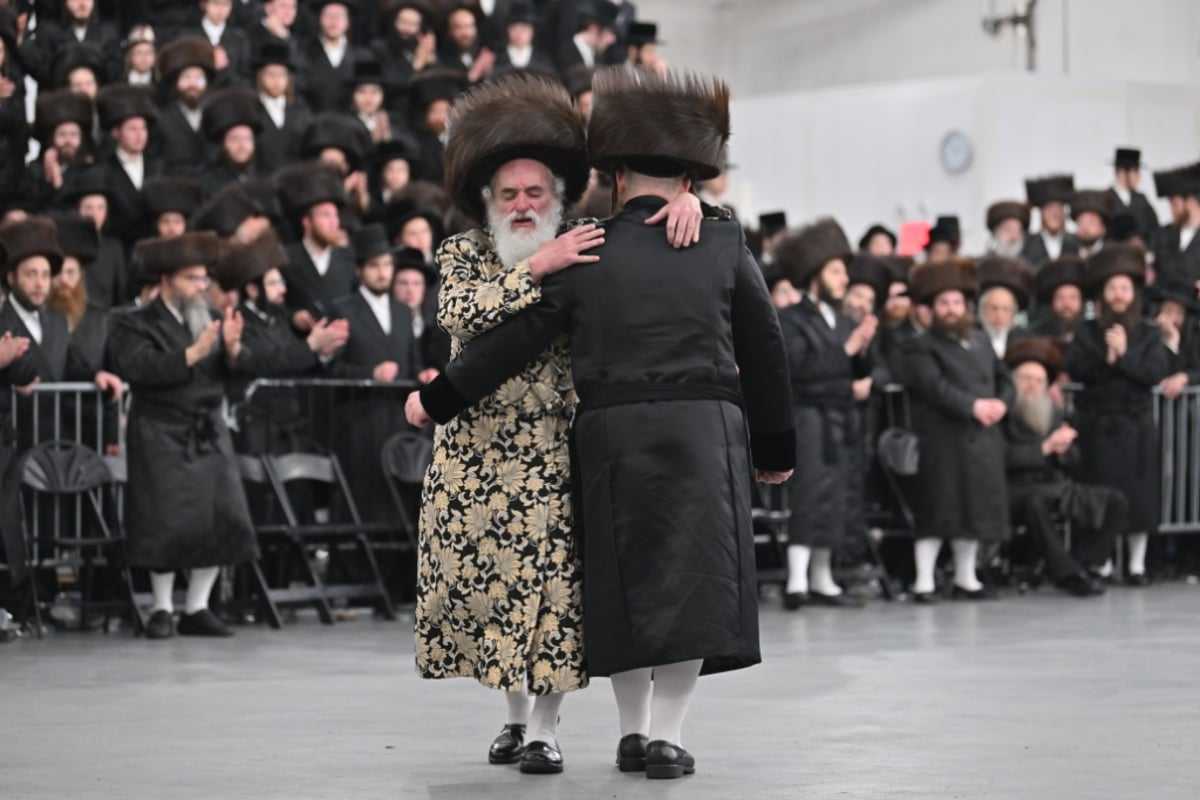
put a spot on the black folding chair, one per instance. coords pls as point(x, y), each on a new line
point(406, 456)
point(65, 470)
point(345, 530)
point(769, 515)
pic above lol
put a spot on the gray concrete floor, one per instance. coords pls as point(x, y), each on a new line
point(1041, 696)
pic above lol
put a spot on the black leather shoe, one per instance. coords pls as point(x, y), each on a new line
point(794, 600)
point(1139, 580)
point(1080, 585)
point(508, 746)
point(926, 598)
point(161, 625)
point(203, 623)
point(666, 760)
point(541, 758)
point(631, 753)
point(842, 600)
point(960, 593)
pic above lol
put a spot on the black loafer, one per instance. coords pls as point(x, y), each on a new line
point(1080, 585)
point(842, 600)
point(666, 760)
point(203, 623)
point(925, 598)
point(541, 758)
point(631, 753)
point(161, 625)
point(1139, 580)
point(960, 593)
point(794, 600)
point(508, 746)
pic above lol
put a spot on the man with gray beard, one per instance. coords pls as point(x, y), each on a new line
point(1008, 222)
point(184, 504)
point(1040, 451)
point(499, 595)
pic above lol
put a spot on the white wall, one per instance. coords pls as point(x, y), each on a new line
point(871, 153)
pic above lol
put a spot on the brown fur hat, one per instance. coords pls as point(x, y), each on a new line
point(226, 108)
point(1098, 201)
point(674, 123)
point(927, 281)
point(801, 254)
point(1041, 349)
point(1013, 274)
point(32, 236)
point(520, 116)
point(1049, 189)
point(57, 107)
point(119, 102)
point(71, 57)
point(1007, 209)
point(184, 52)
point(181, 195)
point(241, 263)
point(1064, 271)
point(302, 185)
point(1113, 260)
point(78, 237)
point(167, 256)
point(226, 210)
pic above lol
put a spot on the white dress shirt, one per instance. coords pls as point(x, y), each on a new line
point(588, 54)
point(320, 261)
point(276, 108)
point(80, 32)
point(418, 324)
point(1125, 195)
point(1053, 244)
point(520, 57)
point(32, 320)
point(140, 78)
point(213, 31)
point(336, 53)
point(134, 166)
point(381, 307)
point(827, 314)
point(194, 116)
point(1185, 237)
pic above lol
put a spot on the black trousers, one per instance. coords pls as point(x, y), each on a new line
point(1035, 506)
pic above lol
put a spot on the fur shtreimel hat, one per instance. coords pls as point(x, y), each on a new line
point(305, 184)
point(181, 195)
point(78, 237)
point(32, 236)
point(337, 131)
point(1113, 260)
point(1009, 273)
point(519, 116)
point(228, 108)
point(800, 255)
point(1097, 201)
point(226, 210)
point(927, 281)
point(1040, 349)
point(663, 124)
point(1064, 271)
point(1007, 209)
point(241, 263)
point(184, 52)
point(117, 103)
point(58, 107)
point(167, 256)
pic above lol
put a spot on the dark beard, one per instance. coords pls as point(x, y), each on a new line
point(23, 299)
point(70, 301)
point(1129, 319)
point(1065, 326)
point(957, 331)
point(825, 295)
point(1089, 242)
point(407, 45)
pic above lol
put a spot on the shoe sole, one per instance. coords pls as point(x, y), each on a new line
point(510, 760)
point(667, 771)
point(541, 769)
point(631, 764)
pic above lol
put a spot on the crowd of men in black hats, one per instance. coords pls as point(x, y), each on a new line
point(1027, 377)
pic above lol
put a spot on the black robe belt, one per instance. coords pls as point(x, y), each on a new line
point(608, 395)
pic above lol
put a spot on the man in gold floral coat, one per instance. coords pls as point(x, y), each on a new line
point(499, 592)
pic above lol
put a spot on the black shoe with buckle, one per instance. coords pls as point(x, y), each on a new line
point(666, 760)
point(541, 758)
point(631, 753)
point(508, 746)
point(161, 625)
point(203, 623)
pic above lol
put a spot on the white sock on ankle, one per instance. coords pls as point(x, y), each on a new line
point(543, 719)
point(925, 554)
point(632, 692)
point(163, 586)
point(798, 556)
point(1137, 544)
point(200, 586)
point(821, 570)
point(674, 686)
point(964, 564)
point(519, 707)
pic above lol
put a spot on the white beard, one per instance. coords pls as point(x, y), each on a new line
point(1008, 250)
point(513, 247)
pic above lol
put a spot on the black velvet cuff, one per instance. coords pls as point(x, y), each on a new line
point(773, 452)
point(442, 401)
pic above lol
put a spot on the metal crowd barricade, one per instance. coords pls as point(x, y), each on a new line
point(1179, 427)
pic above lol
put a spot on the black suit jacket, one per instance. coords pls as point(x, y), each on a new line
point(328, 87)
point(182, 150)
point(1141, 210)
point(538, 61)
point(369, 346)
point(1034, 250)
point(46, 360)
point(236, 44)
point(1174, 264)
point(276, 147)
point(127, 218)
point(310, 291)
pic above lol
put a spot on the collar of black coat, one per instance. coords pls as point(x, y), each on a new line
point(644, 204)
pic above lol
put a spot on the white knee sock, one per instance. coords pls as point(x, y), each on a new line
point(543, 720)
point(632, 691)
point(964, 564)
point(519, 706)
point(822, 572)
point(200, 585)
point(674, 686)
point(1137, 543)
point(163, 586)
point(797, 556)
point(925, 553)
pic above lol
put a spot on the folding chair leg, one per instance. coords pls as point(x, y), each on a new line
point(264, 596)
point(35, 600)
point(321, 601)
point(85, 594)
point(135, 614)
point(385, 600)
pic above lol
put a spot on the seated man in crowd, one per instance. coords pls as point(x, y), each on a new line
point(1039, 448)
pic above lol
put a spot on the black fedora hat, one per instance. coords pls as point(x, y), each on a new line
point(412, 258)
point(368, 242)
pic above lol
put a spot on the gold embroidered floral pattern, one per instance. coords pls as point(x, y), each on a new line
point(499, 595)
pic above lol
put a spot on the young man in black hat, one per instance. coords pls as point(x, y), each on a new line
point(682, 600)
point(369, 102)
point(1176, 315)
point(88, 193)
point(80, 23)
point(87, 320)
point(1177, 250)
point(1060, 300)
point(1049, 195)
point(127, 113)
point(232, 213)
point(827, 352)
point(519, 51)
point(230, 123)
point(945, 238)
point(62, 125)
point(462, 46)
point(592, 38)
point(1092, 210)
point(187, 68)
point(431, 94)
point(1127, 175)
point(231, 45)
point(283, 114)
point(329, 57)
point(1120, 357)
point(877, 241)
point(414, 282)
point(641, 47)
